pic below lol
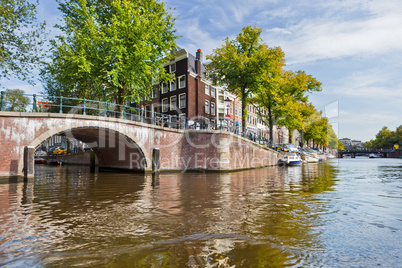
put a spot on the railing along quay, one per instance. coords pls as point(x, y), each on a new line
point(65, 105)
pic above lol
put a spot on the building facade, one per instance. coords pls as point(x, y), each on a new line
point(189, 95)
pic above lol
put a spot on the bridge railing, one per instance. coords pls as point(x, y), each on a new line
point(367, 150)
point(67, 105)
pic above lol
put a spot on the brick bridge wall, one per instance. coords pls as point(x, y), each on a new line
point(124, 144)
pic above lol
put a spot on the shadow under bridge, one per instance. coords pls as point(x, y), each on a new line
point(113, 149)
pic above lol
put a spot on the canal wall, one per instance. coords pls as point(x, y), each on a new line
point(395, 154)
point(217, 151)
point(82, 158)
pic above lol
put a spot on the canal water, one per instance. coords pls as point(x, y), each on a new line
point(341, 213)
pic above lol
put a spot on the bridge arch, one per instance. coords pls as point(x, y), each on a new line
point(113, 148)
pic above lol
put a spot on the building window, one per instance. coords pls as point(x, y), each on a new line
point(182, 81)
point(165, 105)
point(213, 92)
point(173, 68)
point(173, 85)
point(206, 107)
point(173, 103)
point(154, 93)
point(212, 108)
point(147, 111)
point(235, 110)
point(182, 100)
point(154, 109)
point(164, 88)
point(207, 89)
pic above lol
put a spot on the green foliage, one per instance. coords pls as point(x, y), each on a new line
point(111, 50)
point(332, 141)
point(243, 64)
point(291, 108)
point(20, 39)
point(254, 73)
point(15, 101)
point(341, 146)
point(385, 138)
point(317, 129)
point(283, 95)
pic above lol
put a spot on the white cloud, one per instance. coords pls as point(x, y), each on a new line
point(277, 30)
point(362, 29)
point(369, 84)
point(365, 125)
point(334, 39)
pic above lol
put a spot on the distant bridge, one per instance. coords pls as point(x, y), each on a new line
point(356, 152)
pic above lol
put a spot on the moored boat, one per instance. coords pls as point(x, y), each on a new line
point(53, 162)
point(291, 160)
point(308, 158)
point(39, 160)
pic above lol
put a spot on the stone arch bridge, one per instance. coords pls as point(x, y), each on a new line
point(127, 145)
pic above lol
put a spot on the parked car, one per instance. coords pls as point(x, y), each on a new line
point(60, 151)
point(291, 148)
point(282, 147)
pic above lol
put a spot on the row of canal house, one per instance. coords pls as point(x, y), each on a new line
point(191, 95)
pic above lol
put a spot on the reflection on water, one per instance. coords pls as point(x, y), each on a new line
point(271, 217)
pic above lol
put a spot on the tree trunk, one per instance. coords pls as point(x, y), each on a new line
point(120, 101)
point(244, 110)
point(270, 125)
point(290, 136)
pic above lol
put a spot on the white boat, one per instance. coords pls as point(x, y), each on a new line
point(291, 160)
point(310, 158)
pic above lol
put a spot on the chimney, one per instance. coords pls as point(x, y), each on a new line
point(198, 60)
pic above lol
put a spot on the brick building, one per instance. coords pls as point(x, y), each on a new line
point(189, 95)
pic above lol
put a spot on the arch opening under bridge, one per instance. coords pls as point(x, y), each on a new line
point(113, 149)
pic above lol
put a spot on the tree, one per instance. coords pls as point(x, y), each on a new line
point(316, 129)
point(385, 138)
point(112, 50)
point(20, 39)
point(283, 95)
point(382, 138)
point(333, 141)
point(292, 107)
point(242, 64)
point(341, 146)
point(15, 100)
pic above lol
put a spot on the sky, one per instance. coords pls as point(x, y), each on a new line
point(354, 47)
